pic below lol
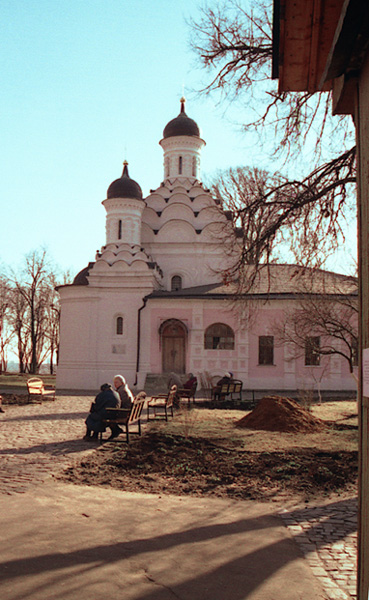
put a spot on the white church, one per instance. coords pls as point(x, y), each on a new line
point(154, 300)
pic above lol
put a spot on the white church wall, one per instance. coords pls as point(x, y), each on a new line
point(195, 263)
point(177, 211)
point(155, 202)
point(199, 192)
point(201, 201)
point(78, 339)
point(150, 217)
point(208, 214)
point(91, 351)
point(179, 195)
point(176, 230)
point(147, 235)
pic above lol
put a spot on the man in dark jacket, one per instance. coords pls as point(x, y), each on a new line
point(107, 398)
point(227, 378)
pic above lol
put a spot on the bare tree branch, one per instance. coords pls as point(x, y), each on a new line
point(268, 211)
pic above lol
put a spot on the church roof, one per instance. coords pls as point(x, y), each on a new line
point(124, 187)
point(275, 280)
point(296, 279)
point(181, 125)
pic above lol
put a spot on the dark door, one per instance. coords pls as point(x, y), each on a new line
point(174, 347)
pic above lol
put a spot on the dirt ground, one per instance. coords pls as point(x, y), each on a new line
point(206, 452)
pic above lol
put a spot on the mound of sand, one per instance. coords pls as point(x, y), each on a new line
point(276, 413)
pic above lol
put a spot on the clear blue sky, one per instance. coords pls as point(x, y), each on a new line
point(86, 84)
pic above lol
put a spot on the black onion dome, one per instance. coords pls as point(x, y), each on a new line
point(81, 277)
point(181, 125)
point(125, 187)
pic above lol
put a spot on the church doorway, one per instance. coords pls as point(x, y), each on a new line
point(173, 335)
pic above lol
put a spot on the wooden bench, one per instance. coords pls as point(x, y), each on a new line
point(126, 417)
point(187, 394)
point(162, 404)
point(230, 389)
point(36, 390)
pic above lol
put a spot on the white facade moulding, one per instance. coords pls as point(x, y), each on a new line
point(182, 157)
point(123, 220)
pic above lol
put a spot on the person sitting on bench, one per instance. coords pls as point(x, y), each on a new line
point(227, 378)
point(191, 382)
point(125, 394)
point(107, 398)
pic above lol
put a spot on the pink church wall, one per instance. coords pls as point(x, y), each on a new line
point(243, 361)
point(158, 316)
point(219, 361)
point(264, 325)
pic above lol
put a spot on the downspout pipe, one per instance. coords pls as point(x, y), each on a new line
point(139, 337)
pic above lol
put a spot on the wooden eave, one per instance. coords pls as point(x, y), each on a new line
point(349, 49)
point(303, 34)
point(351, 41)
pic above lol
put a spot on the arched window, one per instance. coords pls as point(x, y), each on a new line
point(167, 167)
point(219, 337)
point(119, 326)
point(176, 283)
point(180, 161)
point(194, 167)
point(120, 229)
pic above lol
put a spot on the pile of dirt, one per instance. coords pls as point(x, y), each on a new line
point(276, 413)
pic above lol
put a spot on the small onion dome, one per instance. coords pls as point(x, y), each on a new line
point(125, 187)
point(181, 125)
point(81, 277)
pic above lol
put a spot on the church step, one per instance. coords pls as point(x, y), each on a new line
point(156, 383)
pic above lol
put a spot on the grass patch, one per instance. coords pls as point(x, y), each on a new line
point(19, 380)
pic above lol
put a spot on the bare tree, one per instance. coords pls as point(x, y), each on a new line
point(5, 333)
point(323, 324)
point(17, 322)
point(304, 217)
point(241, 192)
point(29, 310)
point(53, 317)
point(34, 312)
point(233, 41)
point(234, 45)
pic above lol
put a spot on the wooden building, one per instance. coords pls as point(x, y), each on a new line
point(322, 45)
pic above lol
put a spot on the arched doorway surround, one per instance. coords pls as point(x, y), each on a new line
point(173, 338)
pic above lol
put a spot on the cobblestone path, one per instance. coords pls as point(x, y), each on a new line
point(38, 440)
point(327, 535)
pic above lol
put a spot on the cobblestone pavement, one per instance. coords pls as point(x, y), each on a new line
point(39, 440)
point(327, 535)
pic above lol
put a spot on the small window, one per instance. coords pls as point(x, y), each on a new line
point(176, 283)
point(219, 337)
point(194, 167)
point(120, 229)
point(167, 167)
point(119, 328)
point(266, 350)
point(180, 165)
point(312, 351)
